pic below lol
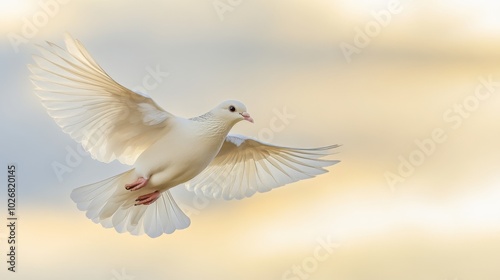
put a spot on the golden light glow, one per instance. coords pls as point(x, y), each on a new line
point(441, 222)
point(12, 13)
point(13, 9)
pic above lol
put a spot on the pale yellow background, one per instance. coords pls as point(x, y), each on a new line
point(441, 223)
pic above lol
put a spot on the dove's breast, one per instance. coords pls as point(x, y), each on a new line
point(178, 156)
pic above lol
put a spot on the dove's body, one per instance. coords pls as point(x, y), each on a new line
point(197, 143)
point(114, 123)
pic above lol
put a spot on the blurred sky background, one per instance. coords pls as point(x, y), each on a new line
point(442, 222)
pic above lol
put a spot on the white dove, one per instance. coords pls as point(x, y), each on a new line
point(112, 122)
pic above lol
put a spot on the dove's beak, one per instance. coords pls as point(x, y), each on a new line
point(246, 116)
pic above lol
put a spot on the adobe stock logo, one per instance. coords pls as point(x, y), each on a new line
point(47, 10)
point(121, 275)
point(454, 117)
point(372, 29)
point(151, 80)
point(277, 123)
point(223, 6)
point(323, 250)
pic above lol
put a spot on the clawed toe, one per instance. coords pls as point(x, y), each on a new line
point(147, 199)
point(138, 184)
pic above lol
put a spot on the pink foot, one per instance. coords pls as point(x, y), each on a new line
point(147, 198)
point(138, 184)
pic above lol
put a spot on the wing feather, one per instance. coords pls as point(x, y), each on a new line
point(245, 166)
point(110, 121)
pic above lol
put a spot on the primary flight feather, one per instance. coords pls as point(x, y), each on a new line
point(114, 123)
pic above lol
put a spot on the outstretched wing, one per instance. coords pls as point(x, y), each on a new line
point(109, 120)
point(245, 166)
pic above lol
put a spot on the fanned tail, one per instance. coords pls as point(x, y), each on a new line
point(108, 203)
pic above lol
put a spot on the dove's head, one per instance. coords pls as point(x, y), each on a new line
point(233, 111)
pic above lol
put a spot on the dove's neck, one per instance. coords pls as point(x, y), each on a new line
point(211, 126)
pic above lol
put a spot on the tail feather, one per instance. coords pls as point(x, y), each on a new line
point(108, 203)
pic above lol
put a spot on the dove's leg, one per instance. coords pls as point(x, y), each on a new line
point(138, 184)
point(147, 198)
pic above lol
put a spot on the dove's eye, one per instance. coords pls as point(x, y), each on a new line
point(231, 108)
